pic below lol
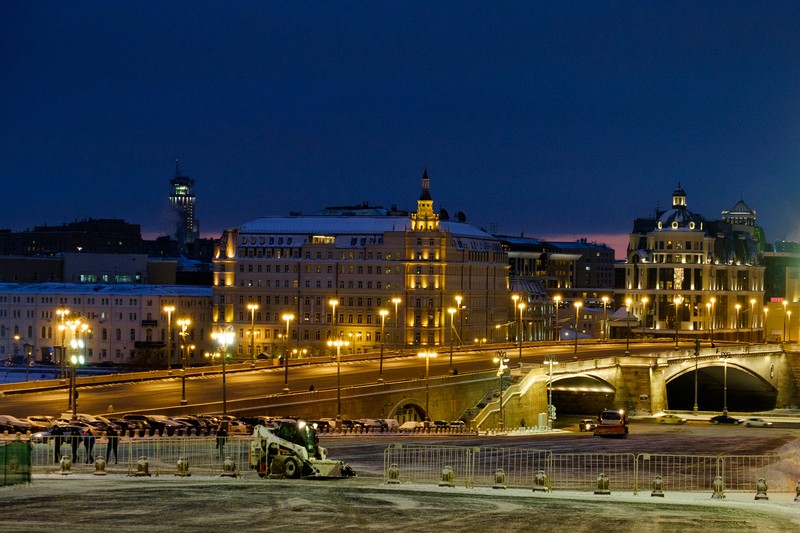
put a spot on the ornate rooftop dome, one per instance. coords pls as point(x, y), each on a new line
point(679, 217)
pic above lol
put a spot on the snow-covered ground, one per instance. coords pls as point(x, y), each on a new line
point(201, 503)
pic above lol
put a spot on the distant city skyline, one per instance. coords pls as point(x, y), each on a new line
point(549, 120)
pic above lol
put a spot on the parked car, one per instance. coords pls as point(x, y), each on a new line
point(587, 424)
point(670, 419)
point(391, 424)
point(165, 426)
point(40, 422)
point(458, 424)
point(68, 432)
point(19, 426)
point(237, 427)
point(725, 419)
point(757, 423)
point(411, 425)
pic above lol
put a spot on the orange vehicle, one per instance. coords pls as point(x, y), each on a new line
point(612, 423)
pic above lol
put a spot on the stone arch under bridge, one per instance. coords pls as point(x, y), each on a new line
point(582, 393)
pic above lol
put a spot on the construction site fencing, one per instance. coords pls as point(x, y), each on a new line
point(15, 462)
point(627, 472)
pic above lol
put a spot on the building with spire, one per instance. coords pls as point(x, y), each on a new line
point(438, 281)
point(182, 201)
point(686, 276)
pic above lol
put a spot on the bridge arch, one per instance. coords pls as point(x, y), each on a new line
point(408, 409)
point(582, 393)
point(747, 390)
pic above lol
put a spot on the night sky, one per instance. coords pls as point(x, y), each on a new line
point(558, 119)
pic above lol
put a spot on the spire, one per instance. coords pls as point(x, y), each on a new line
point(177, 168)
point(426, 186)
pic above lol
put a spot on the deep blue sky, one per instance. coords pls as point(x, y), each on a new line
point(562, 118)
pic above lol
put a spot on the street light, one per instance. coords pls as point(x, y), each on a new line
point(766, 311)
point(184, 324)
point(451, 311)
point(713, 313)
point(75, 360)
point(550, 360)
point(383, 313)
point(752, 316)
point(338, 344)
point(184, 356)
point(725, 357)
point(521, 307)
point(557, 328)
point(605, 320)
point(62, 313)
point(577, 306)
point(427, 354)
point(785, 303)
point(789, 318)
point(501, 359)
point(460, 320)
point(696, 357)
point(515, 297)
point(169, 309)
point(333, 302)
point(252, 307)
point(628, 303)
point(738, 306)
point(645, 299)
point(224, 338)
point(677, 301)
point(396, 301)
point(288, 317)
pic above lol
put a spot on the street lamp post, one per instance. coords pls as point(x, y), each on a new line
point(696, 357)
point(338, 344)
point(752, 320)
point(738, 306)
point(459, 298)
point(515, 297)
point(383, 313)
point(645, 299)
point(789, 319)
point(396, 301)
point(169, 309)
point(333, 302)
point(521, 306)
point(785, 303)
point(427, 354)
point(288, 317)
point(556, 327)
point(224, 338)
point(677, 301)
point(713, 301)
point(550, 360)
point(62, 313)
point(184, 324)
point(75, 360)
point(605, 320)
point(253, 307)
point(725, 357)
point(501, 359)
point(628, 303)
point(578, 306)
point(451, 311)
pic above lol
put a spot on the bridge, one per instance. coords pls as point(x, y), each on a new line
point(750, 378)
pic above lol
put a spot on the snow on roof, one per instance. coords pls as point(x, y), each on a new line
point(121, 289)
point(349, 225)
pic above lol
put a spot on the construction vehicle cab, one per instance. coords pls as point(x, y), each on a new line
point(290, 448)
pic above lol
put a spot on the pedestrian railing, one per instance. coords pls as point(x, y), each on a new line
point(627, 472)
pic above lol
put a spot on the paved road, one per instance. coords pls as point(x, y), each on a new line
point(207, 389)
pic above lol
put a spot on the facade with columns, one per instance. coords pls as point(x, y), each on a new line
point(694, 277)
point(330, 274)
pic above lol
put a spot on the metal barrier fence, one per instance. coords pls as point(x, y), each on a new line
point(625, 471)
point(202, 454)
